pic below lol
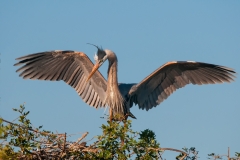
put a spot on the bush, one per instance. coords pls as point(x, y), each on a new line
point(118, 141)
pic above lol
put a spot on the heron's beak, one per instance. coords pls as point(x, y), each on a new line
point(95, 68)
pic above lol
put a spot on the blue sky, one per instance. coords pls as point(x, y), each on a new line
point(144, 36)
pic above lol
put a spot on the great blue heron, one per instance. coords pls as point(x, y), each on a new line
point(77, 70)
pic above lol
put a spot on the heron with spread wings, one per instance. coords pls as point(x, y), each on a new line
point(78, 71)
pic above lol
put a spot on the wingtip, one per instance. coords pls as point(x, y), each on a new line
point(16, 64)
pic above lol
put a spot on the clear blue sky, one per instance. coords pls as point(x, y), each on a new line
point(144, 36)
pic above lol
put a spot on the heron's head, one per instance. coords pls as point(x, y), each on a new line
point(100, 57)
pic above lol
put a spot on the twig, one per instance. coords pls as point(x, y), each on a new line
point(44, 133)
point(65, 135)
point(170, 149)
point(176, 150)
point(35, 153)
point(83, 136)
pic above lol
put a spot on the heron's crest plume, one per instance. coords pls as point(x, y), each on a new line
point(100, 53)
point(94, 45)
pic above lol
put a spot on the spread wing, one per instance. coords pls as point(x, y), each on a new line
point(70, 66)
point(173, 75)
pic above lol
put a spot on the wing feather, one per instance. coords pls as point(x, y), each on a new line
point(90, 96)
point(93, 99)
point(69, 73)
point(63, 70)
point(210, 75)
point(73, 77)
point(83, 83)
point(70, 66)
point(84, 92)
point(79, 85)
point(87, 94)
point(160, 84)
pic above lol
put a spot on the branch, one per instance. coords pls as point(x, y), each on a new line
point(44, 133)
point(170, 149)
point(64, 143)
point(83, 136)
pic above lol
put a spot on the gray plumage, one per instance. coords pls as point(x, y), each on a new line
point(77, 70)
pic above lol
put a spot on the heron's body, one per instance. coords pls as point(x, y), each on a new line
point(77, 70)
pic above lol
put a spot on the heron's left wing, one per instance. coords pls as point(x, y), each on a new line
point(70, 66)
point(173, 75)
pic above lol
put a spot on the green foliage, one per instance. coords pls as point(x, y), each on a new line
point(191, 154)
point(217, 156)
point(119, 142)
point(237, 154)
point(21, 136)
point(7, 152)
point(20, 140)
point(147, 146)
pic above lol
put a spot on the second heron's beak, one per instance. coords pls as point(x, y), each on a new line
point(95, 68)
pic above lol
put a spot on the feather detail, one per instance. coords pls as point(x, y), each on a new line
point(95, 57)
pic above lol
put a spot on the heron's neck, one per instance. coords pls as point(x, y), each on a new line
point(112, 76)
point(114, 98)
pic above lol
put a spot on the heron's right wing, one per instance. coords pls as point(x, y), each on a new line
point(70, 66)
point(160, 84)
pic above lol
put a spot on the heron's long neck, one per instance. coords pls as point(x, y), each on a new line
point(112, 77)
point(114, 99)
